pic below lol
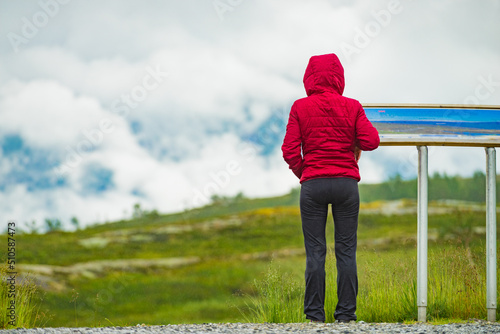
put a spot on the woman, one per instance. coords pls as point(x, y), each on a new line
point(325, 135)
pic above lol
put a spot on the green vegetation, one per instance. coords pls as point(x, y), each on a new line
point(17, 300)
point(387, 283)
point(279, 299)
point(242, 259)
point(441, 186)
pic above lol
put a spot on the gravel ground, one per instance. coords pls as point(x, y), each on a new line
point(239, 328)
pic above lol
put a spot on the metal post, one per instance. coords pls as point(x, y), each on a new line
point(422, 233)
point(491, 234)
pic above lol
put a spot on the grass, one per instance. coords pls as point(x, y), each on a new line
point(457, 283)
point(229, 284)
point(387, 287)
point(280, 299)
point(207, 292)
point(387, 281)
point(256, 233)
point(18, 301)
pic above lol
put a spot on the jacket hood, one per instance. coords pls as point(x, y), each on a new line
point(324, 73)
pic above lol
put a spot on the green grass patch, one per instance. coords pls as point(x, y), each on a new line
point(387, 287)
point(212, 291)
point(18, 301)
point(237, 281)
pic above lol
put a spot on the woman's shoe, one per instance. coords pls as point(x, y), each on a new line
point(345, 320)
point(317, 321)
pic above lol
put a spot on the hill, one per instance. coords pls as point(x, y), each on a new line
point(205, 265)
point(441, 186)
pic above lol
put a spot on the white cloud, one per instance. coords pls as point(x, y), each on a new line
point(45, 113)
point(105, 79)
point(224, 79)
point(24, 206)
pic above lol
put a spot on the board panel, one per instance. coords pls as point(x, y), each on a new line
point(448, 125)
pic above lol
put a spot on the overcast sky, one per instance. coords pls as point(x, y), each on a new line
point(104, 104)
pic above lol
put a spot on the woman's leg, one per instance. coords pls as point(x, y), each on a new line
point(345, 210)
point(313, 212)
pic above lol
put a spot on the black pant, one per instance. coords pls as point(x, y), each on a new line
point(315, 195)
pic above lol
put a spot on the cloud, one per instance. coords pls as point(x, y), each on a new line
point(214, 121)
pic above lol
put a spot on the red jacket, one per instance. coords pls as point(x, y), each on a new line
point(324, 127)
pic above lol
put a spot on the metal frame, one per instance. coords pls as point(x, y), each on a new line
point(422, 235)
point(440, 141)
point(489, 143)
point(491, 234)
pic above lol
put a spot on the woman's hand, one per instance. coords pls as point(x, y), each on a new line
point(357, 153)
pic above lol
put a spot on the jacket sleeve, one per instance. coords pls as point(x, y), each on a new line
point(292, 144)
point(367, 137)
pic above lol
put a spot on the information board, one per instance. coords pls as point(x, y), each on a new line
point(453, 125)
